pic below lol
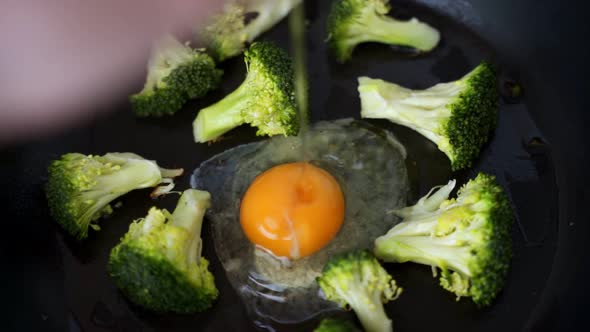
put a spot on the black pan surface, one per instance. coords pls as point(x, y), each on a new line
point(538, 154)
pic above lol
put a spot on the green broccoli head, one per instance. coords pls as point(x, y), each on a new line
point(352, 22)
point(335, 325)
point(357, 280)
point(81, 187)
point(265, 100)
point(241, 22)
point(457, 116)
point(158, 263)
point(467, 238)
point(176, 73)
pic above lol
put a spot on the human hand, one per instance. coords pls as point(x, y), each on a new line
point(62, 58)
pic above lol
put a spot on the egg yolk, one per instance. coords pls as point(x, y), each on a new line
point(292, 209)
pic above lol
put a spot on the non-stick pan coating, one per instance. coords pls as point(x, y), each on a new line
point(538, 153)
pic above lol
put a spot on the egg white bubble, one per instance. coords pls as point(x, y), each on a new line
point(368, 163)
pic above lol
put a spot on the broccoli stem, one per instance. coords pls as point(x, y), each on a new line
point(422, 225)
point(429, 203)
point(134, 174)
point(190, 210)
point(100, 206)
point(269, 14)
point(421, 110)
point(384, 29)
point(223, 116)
point(444, 253)
point(189, 214)
point(371, 314)
point(168, 173)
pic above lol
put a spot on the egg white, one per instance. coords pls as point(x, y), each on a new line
point(369, 164)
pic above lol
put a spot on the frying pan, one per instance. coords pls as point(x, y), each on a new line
point(538, 153)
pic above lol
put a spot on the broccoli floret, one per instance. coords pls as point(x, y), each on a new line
point(81, 187)
point(467, 238)
point(176, 73)
point(158, 263)
point(457, 116)
point(241, 22)
point(265, 100)
point(352, 22)
point(357, 280)
point(335, 325)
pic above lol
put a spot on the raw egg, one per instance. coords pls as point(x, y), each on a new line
point(276, 220)
point(292, 210)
